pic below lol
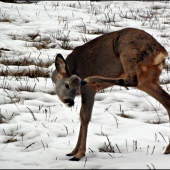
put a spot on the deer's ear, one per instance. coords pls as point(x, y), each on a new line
point(61, 66)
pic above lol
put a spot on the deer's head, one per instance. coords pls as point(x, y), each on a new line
point(67, 86)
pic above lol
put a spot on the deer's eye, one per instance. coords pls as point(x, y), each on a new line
point(67, 86)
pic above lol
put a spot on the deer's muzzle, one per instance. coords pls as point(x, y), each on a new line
point(69, 102)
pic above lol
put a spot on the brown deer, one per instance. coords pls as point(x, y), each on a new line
point(128, 57)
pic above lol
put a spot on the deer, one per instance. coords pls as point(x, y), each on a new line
point(129, 57)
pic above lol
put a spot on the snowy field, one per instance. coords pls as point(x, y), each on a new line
point(36, 129)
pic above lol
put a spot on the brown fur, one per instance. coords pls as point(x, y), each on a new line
point(129, 57)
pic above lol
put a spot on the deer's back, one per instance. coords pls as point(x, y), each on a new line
point(101, 56)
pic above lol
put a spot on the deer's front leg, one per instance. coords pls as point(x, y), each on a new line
point(75, 150)
point(87, 94)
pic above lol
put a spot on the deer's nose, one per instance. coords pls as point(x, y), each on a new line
point(69, 102)
point(83, 82)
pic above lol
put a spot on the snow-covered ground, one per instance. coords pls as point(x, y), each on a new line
point(36, 129)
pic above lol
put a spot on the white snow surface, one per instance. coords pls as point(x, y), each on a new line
point(44, 142)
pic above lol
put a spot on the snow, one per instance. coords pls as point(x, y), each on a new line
point(43, 130)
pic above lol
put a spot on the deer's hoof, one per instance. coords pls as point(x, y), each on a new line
point(69, 154)
point(167, 151)
point(74, 159)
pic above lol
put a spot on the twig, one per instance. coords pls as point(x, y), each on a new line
point(153, 166)
point(91, 150)
point(40, 107)
point(126, 146)
point(43, 125)
point(43, 144)
point(111, 155)
point(148, 166)
point(12, 100)
point(32, 114)
point(155, 137)
point(29, 146)
point(47, 12)
point(10, 139)
point(162, 136)
point(18, 11)
point(66, 129)
point(118, 148)
point(152, 106)
point(55, 119)
point(48, 135)
point(85, 162)
point(33, 88)
point(135, 145)
point(153, 150)
point(14, 136)
point(111, 149)
point(107, 109)
point(4, 132)
point(147, 149)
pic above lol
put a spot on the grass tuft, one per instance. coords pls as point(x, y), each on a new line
point(2, 118)
point(124, 115)
point(32, 36)
point(26, 62)
point(31, 74)
point(11, 140)
point(5, 19)
point(41, 45)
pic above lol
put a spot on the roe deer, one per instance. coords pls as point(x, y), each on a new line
point(128, 57)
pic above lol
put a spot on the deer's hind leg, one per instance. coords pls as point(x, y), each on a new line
point(143, 75)
point(148, 82)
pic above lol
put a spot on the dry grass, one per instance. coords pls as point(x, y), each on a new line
point(164, 35)
point(31, 41)
point(156, 7)
point(65, 40)
point(42, 64)
point(23, 62)
point(32, 36)
point(32, 73)
point(26, 62)
point(5, 19)
point(26, 88)
point(96, 32)
point(11, 140)
point(124, 115)
point(107, 147)
point(2, 119)
point(12, 137)
point(66, 45)
point(41, 45)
